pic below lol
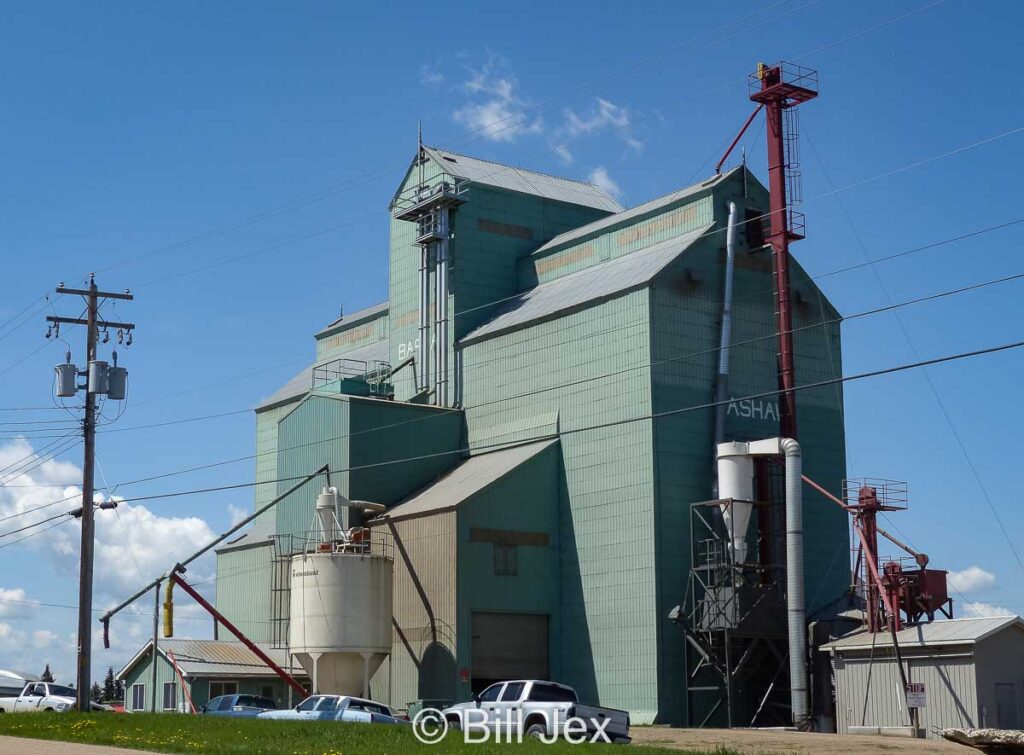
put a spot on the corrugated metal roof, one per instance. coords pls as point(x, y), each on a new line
point(591, 284)
point(951, 632)
point(525, 181)
point(633, 212)
point(215, 658)
point(362, 314)
point(469, 478)
point(301, 383)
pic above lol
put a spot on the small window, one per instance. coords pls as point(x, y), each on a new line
point(170, 696)
point(513, 691)
point(506, 561)
point(267, 691)
point(138, 696)
point(223, 688)
point(490, 694)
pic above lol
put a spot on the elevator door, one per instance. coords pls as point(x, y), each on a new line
point(508, 646)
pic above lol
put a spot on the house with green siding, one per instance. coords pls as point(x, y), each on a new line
point(539, 509)
point(190, 673)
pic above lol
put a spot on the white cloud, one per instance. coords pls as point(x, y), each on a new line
point(237, 513)
point(605, 115)
point(563, 152)
point(971, 579)
point(430, 75)
point(496, 107)
point(599, 176)
point(44, 638)
point(133, 546)
point(15, 603)
point(985, 610)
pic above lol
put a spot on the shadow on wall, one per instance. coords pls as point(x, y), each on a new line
point(437, 673)
point(576, 656)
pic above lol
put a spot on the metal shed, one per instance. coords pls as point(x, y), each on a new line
point(972, 671)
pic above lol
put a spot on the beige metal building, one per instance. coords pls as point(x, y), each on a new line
point(972, 671)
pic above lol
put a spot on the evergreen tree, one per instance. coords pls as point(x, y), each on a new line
point(109, 685)
point(47, 675)
point(119, 691)
point(96, 693)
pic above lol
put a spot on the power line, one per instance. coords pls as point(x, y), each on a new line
point(501, 169)
point(611, 423)
point(560, 386)
point(931, 385)
point(36, 534)
point(838, 271)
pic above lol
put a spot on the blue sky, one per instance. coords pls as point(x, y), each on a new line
point(146, 142)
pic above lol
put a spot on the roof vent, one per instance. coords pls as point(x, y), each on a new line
point(449, 159)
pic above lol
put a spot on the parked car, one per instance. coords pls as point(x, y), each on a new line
point(238, 706)
point(335, 708)
point(538, 708)
point(44, 696)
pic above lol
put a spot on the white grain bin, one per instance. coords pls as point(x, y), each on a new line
point(341, 616)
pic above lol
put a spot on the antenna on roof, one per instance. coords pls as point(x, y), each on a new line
point(420, 157)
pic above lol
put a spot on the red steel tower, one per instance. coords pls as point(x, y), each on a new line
point(779, 88)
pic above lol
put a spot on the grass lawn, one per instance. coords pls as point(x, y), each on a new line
point(172, 733)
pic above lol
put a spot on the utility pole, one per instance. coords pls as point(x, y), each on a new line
point(100, 379)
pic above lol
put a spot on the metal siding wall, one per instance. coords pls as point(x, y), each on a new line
point(608, 586)
point(486, 263)
point(868, 692)
point(352, 337)
point(313, 434)
point(243, 590)
point(420, 434)
point(422, 663)
point(143, 674)
point(484, 268)
point(675, 220)
point(1000, 659)
point(525, 500)
point(684, 336)
point(266, 459)
point(404, 264)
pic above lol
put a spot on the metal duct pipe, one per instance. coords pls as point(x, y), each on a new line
point(424, 337)
point(795, 583)
point(722, 381)
point(441, 312)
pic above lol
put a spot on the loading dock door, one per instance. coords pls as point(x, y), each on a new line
point(508, 646)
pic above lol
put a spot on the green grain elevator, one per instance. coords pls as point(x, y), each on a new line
point(526, 405)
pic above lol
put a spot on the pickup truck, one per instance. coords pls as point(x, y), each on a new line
point(40, 696)
point(538, 709)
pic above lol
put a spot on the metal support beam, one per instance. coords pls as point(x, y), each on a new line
point(288, 678)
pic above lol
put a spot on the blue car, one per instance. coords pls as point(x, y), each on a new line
point(238, 706)
point(336, 708)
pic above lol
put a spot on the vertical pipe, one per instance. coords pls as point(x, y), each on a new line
point(779, 240)
point(722, 381)
point(441, 312)
point(424, 330)
point(795, 583)
point(156, 626)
